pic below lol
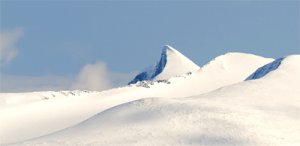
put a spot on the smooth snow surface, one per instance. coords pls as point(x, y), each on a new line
point(172, 63)
point(209, 106)
point(255, 112)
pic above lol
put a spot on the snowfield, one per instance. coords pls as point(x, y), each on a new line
point(236, 99)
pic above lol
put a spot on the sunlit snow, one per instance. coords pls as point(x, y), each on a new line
point(177, 103)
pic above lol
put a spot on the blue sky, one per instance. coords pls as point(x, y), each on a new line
point(60, 38)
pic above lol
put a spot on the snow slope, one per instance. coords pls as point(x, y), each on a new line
point(262, 112)
point(18, 115)
point(172, 63)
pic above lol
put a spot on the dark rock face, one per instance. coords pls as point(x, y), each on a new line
point(262, 71)
point(152, 72)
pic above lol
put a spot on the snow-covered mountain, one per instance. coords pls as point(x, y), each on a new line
point(224, 70)
point(255, 112)
point(172, 63)
point(212, 105)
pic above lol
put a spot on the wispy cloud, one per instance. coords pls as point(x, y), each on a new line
point(93, 77)
point(8, 40)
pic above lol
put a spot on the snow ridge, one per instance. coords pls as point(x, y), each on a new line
point(262, 71)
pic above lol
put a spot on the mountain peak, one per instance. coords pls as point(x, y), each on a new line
point(169, 48)
point(172, 63)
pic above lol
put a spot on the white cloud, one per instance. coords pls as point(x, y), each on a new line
point(8, 49)
point(93, 77)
